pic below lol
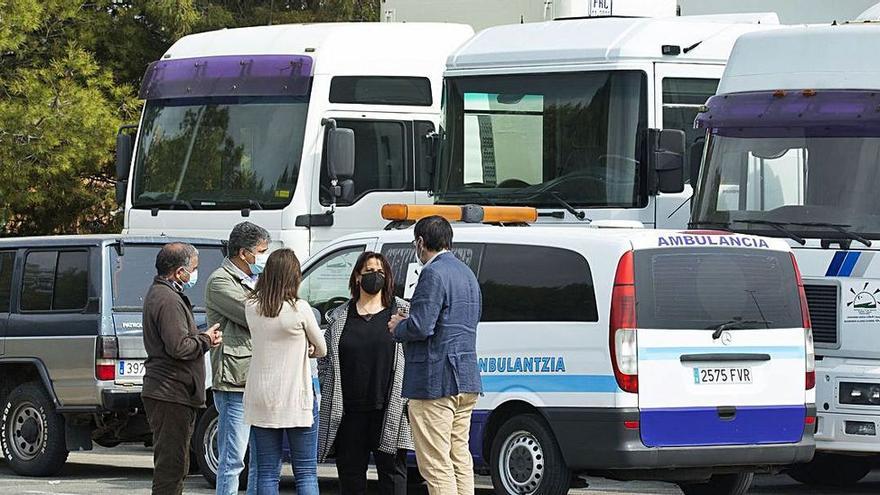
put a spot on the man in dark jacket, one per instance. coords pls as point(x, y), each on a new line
point(441, 376)
point(174, 383)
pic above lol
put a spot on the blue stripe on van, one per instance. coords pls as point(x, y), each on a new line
point(681, 427)
point(550, 383)
point(836, 263)
point(665, 353)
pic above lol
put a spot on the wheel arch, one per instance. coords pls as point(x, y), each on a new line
point(16, 371)
point(499, 415)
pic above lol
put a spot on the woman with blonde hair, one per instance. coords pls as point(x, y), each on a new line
point(279, 399)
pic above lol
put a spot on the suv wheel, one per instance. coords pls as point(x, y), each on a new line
point(32, 434)
point(207, 451)
point(526, 460)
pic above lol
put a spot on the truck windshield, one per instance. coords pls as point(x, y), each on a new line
point(219, 153)
point(536, 139)
point(807, 182)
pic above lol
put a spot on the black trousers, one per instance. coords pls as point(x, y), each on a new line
point(358, 436)
point(172, 425)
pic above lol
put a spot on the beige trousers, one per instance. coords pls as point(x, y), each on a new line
point(441, 430)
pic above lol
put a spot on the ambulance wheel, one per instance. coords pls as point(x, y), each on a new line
point(525, 459)
point(831, 470)
point(205, 443)
point(721, 484)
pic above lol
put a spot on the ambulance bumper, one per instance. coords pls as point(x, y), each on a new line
point(597, 440)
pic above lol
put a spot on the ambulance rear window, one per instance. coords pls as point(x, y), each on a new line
point(704, 287)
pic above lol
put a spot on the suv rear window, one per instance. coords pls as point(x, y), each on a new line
point(703, 288)
point(133, 273)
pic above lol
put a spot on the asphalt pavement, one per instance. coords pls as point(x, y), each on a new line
point(127, 470)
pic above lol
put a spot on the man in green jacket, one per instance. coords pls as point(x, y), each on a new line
point(225, 295)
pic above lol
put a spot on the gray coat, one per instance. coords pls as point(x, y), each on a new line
point(396, 433)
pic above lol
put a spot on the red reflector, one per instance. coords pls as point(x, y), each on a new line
point(810, 420)
point(810, 380)
point(105, 371)
point(631, 425)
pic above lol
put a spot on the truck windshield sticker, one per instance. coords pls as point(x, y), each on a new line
point(709, 240)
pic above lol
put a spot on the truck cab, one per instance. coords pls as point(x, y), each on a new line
point(302, 129)
point(587, 119)
point(792, 143)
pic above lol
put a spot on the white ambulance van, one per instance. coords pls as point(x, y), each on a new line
point(683, 356)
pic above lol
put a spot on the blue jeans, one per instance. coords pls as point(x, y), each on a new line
point(303, 444)
point(233, 437)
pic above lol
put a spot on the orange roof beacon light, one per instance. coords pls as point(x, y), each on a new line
point(465, 213)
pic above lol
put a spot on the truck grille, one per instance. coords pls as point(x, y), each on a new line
point(822, 301)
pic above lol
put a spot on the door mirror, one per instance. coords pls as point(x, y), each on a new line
point(666, 158)
point(124, 151)
point(696, 159)
point(340, 153)
point(432, 151)
point(121, 189)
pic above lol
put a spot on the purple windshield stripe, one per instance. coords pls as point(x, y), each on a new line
point(228, 75)
point(824, 113)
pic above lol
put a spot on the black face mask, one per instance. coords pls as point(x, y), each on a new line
point(372, 282)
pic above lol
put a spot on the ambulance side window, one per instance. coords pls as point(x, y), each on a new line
point(325, 284)
point(401, 255)
point(536, 283)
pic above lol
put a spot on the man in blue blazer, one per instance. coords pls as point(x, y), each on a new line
point(441, 376)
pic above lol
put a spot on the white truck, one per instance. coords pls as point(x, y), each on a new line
point(566, 115)
point(793, 142)
point(303, 129)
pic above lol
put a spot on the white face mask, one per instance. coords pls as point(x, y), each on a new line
point(259, 263)
point(193, 279)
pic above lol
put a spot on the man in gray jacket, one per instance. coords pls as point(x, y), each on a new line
point(226, 291)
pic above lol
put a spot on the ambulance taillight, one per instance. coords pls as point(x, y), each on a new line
point(623, 340)
point(810, 376)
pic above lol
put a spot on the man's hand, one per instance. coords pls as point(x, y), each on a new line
point(215, 335)
point(395, 320)
point(311, 351)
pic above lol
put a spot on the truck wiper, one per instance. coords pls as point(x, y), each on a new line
point(729, 325)
point(569, 208)
point(839, 228)
point(168, 203)
point(780, 226)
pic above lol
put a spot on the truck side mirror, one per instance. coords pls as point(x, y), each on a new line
point(124, 151)
point(340, 153)
point(696, 159)
point(666, 157)
point(432, 151)
point(121, 189)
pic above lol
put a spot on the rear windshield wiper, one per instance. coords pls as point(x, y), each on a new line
point(780, 226)
point(729, 325)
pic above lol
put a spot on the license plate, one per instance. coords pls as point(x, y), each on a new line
point(733, 375)
point(129, 368)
